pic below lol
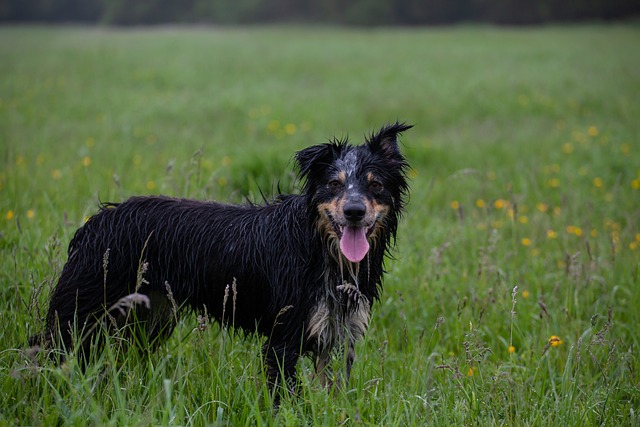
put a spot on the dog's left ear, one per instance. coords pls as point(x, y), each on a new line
point(385, 142)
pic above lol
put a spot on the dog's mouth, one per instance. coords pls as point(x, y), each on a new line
point(354, 243)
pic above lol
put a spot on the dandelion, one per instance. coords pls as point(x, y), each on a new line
point(523, 219)
point(511, 349)
point(597, 182)
point(526, 241)
point(634, 245)
point(56, 174)
point(455, 204)
point(151, 185)
point(638, 237)
point(593, 131)
point(480, 204)
point(635, 184)
point(273, 125)
point(470, 372)
point(290, 128)
point(567, 148)
point(500, 204)
point(86, 161)
point(554, 182)
point(555, 341)
point(525, 294)
point(10, 215)
point(542, 207)
point(572, 229)
point(31, 214)
point(551, 234)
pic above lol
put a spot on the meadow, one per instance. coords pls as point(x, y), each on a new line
point(513, 297)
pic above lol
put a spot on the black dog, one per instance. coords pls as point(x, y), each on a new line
point(304, 269)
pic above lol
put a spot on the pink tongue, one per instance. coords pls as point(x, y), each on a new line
point(353, 243)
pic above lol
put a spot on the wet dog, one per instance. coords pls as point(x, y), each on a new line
point(303, 270)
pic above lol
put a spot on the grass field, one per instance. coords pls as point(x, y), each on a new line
point(514, 296)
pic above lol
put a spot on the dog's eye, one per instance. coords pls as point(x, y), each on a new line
point(375, 186)
point(335, 185)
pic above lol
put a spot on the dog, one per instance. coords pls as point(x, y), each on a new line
point(304, 269)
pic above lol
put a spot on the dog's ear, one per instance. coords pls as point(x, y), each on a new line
point(385, 142)
point(322, 154)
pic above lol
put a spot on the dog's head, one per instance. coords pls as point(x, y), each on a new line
point(356, 193)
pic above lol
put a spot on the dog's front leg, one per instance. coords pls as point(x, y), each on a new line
point(323, 369)
point(351, 357)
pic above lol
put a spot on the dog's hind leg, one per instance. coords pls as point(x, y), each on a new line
point(280, 362)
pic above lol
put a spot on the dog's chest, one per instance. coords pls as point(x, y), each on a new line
point(342, 314)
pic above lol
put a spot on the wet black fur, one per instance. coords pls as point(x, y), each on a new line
point(275, 255)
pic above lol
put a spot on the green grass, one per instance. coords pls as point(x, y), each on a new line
point(526, 172)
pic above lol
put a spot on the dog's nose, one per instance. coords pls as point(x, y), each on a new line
point(354, 211)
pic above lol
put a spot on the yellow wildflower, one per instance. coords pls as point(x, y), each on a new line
point(290, 128)
point(480, 203)
point(273, 125)
point(31, 213)
point(511, 349)
point(455, 204)
point(526, 241)
point(572, 229)
point(597, 182)
point(567, 148)
point(525, 294)
point(10, 215)
point(555, 341)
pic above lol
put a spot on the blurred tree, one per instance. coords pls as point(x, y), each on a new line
point(354, 12)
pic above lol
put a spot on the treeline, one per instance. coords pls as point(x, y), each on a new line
point(347, 12)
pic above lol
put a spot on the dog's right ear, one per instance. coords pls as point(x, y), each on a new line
point(316, 156)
